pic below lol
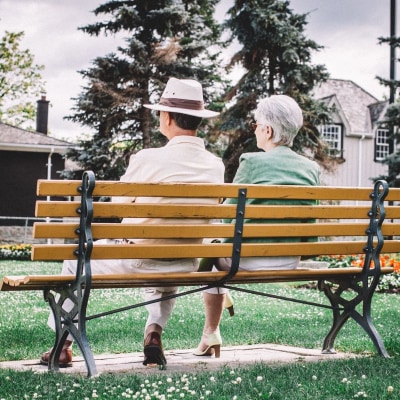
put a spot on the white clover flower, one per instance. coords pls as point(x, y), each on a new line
point(212, 379)
point(363, 377)
point(208, 392)
point(238, 379)
point(314, 378)
point(344, 380)
point(259, 378)
point(390, 389)
point(169, 380)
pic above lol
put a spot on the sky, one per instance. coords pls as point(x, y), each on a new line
point(347, 29)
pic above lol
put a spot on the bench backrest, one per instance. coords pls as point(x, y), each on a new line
point(340, 228)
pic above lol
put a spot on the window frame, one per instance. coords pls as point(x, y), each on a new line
point(333, 152)
point(381, 145)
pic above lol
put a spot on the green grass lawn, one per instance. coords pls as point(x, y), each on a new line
point(25, 335)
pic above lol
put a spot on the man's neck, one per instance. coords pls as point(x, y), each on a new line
point(181, 132)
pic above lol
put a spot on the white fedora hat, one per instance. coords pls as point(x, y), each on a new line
point(183, 96)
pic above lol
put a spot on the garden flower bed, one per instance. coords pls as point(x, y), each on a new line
point(15, 252)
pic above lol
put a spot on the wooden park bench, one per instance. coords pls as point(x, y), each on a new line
point(325, 212)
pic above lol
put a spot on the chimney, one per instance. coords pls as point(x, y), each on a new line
point(42, 115)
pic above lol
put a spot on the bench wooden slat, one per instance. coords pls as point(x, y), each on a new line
point(113, 210)
point(37, 282)
point(66, 230)
point(125, 251)
point(117, 230)
point(116, 188)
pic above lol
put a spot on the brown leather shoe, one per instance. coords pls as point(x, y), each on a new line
point(64, 361)
point(153, 351)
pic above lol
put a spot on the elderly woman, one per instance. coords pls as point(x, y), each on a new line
point(278, 120)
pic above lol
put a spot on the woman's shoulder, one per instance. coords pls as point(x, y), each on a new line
point(257, 154)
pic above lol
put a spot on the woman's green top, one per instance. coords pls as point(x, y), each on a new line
point(278, 166)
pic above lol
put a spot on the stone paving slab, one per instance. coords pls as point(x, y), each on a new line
point(185, 362)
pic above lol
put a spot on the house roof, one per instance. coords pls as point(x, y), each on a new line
point(17, 139)
point(354, 103)
point(377, 110)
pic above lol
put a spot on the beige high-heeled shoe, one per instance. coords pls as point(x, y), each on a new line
point(214, 342)
point(228, 304)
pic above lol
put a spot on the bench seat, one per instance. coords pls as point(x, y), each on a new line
point(38, 282)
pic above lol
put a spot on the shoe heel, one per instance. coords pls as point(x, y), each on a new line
point(217, 350)
point(228, 304)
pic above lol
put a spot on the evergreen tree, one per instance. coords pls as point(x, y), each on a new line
point(276, 56)
point(391, 120)
point(163, 38)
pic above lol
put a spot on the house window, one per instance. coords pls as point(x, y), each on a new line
point(381, 144)
point(333, 136)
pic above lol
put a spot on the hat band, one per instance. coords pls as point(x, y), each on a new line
point(182, 103)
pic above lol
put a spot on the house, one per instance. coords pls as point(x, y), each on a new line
point(354, 136)
point(24, 158)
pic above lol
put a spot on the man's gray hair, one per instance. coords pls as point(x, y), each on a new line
point(283, 114)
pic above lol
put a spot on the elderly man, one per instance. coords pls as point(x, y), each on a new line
point(183, 159)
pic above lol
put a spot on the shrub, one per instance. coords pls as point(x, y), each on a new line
point(388, 283)
point(15, 252)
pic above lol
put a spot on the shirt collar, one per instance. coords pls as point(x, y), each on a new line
point(186, 139)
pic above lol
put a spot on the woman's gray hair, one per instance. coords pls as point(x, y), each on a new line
point(283, 114)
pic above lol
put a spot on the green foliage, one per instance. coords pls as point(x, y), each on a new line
point(389, 283)
point(182, 39)
point(391, 121)
point(163, 39)
point(20, 81)
point(276, 56)
point(372, 378)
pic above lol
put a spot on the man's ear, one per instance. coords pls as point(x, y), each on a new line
point(168, 119)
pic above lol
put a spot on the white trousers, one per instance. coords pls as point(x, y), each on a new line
point(158, 312)
point(256, 264)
